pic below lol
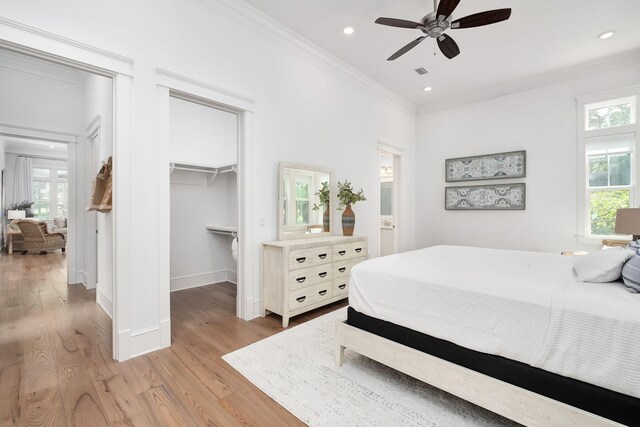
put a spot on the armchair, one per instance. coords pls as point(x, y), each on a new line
point(38, 239)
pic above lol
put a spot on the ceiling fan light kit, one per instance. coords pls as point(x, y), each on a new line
point(437, 22)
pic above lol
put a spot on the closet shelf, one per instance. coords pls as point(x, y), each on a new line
point(227, 230)
point(213, 171)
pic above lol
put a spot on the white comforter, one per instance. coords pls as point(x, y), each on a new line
point(525, 306)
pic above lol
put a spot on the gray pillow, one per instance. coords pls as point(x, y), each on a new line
point(631, 274)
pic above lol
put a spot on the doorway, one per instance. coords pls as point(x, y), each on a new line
point(389, 179)
point(46, 157)
point(203, 168)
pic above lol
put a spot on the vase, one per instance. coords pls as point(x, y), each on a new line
point(326, 220)
point(348, 221)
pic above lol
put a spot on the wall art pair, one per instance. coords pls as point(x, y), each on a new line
point(490, 196)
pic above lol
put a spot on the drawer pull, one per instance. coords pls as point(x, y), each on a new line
point(324, 273)
point(301, 279)
point(342, 253)
point(322, 256)
point(358, 250)
point(300, 299)
point(344, 285)
point(301, 259)
point(342, 269)
point(322, 292)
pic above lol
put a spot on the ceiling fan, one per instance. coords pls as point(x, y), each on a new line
point(434, 25)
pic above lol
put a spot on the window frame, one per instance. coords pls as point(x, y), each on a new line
point(53, 181)
point(583, 136)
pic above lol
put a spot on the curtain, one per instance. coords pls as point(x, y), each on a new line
point(23, 180)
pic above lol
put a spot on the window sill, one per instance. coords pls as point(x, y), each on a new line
point(597, 240)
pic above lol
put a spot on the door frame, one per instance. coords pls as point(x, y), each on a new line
point(38, 43)
point(397, 154)
point(189, 89)
point(93, 138)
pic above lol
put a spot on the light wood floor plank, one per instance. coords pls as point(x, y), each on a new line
point(56, 367)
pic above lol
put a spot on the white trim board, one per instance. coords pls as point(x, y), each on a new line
point(202, 279)
point(264, 25)
point(62, 50)
point(27, 132)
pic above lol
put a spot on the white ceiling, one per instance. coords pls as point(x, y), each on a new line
point(541, 37)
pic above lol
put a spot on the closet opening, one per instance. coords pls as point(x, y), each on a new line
point(204, 210)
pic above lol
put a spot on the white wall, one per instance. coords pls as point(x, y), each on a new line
point(202, 135)
point(98, 102)
point(306, 111)
point(199, 257)
point(541, 121)
point(30, 100)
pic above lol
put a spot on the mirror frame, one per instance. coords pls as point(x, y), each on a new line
point(291, 165)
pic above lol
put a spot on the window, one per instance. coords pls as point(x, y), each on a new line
point(608, 144)
point(611, 113)
point(50, 192)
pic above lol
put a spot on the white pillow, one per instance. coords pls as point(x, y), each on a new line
point(602, 266)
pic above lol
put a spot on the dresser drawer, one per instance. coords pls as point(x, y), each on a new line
point(341, 286)
point(301, 258)
point(308, 276)
point(309, 295)
point(343, 268)
point(349, 250)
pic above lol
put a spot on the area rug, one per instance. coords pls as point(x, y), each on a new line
point(296, 369)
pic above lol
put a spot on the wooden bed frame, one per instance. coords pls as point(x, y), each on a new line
point(515, 403)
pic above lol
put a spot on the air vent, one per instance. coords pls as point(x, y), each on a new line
point(421, 71)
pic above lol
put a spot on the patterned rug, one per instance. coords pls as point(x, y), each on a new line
point(296, 369)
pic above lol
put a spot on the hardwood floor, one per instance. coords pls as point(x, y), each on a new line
point(56, 367)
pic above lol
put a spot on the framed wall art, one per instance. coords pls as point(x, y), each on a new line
point(512, 164)
point(486, 197)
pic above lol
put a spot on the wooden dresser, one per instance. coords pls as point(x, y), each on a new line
point(300, 275)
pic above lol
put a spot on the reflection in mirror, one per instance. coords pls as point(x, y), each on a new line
point(304, 198)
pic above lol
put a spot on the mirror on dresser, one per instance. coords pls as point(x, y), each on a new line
point(304, 201)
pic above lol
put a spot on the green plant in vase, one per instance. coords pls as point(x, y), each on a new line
point(324, 194)
point(347, 197)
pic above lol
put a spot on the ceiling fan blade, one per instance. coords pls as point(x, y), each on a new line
point(446, 8)
point(448, 46)
point(401, 23)
point(406, 48)
point(482, 18)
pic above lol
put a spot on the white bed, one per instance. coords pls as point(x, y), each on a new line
point(524, 306)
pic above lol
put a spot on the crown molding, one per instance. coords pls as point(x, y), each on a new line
point(264, 25)
point(619, 61)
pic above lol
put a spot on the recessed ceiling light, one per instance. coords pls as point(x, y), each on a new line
point(606, 34)
point(427, 89)
point(52, 146)
point(348, 30)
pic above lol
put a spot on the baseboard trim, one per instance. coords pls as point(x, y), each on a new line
point(145, 341)
point(104, 302)
point(196, 280)
point(83, 277)
point(257, 308)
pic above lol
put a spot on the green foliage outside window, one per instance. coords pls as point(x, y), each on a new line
point(606, 117)
point(604, 205)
